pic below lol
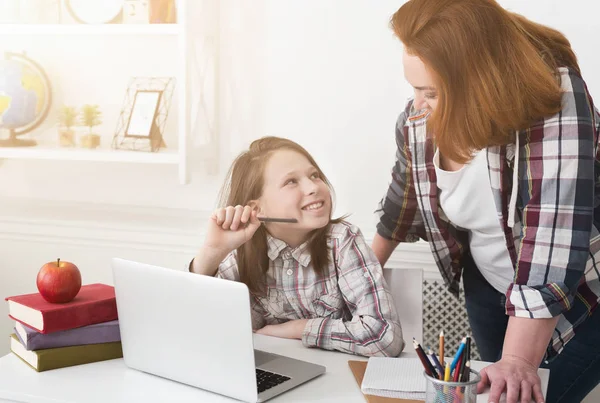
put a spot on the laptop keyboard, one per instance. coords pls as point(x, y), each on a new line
point(266, 380)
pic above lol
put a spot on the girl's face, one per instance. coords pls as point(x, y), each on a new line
point(419, 77)
point(293, 189)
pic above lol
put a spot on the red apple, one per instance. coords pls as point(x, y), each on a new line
point(59, 282)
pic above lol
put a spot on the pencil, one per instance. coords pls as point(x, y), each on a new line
point(442, 359)
point(447, 377)
point(269, 219)
point(424, 360)
point(466, 356)
point(457, 372)
point(461, 347)
point(467, 372)
point(436, 363)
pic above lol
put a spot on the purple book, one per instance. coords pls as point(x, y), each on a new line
point(105, 332)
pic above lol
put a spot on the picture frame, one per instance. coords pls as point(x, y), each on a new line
point(141, 122)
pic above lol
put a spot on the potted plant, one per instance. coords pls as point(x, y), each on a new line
point(66, 120)
point(90, 117)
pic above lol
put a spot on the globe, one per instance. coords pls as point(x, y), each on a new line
point(25, 98)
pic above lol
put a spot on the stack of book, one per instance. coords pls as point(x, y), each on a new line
point(50, 336)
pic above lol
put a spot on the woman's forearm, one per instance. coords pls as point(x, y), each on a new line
point(383, 248)
point(528, 339)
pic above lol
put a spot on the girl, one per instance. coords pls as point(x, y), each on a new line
point(315, 279)
point(498, 168)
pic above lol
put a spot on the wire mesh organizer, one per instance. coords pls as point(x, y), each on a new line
point(438, 391)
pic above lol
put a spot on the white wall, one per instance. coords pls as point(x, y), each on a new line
point(326, 74)
point(336, 86)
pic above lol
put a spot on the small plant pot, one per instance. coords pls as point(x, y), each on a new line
point(90, 141)
point(66, 137)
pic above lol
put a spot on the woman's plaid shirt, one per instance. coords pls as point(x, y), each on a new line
point(554, 244)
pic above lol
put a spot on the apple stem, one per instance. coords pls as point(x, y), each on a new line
point(58, 262)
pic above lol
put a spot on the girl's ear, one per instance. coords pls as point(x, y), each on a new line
point(255, 204)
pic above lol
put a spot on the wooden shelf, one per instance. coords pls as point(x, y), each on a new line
point(98, 155)
point(90, 29)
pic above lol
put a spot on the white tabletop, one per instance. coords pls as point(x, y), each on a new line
point(111, 381)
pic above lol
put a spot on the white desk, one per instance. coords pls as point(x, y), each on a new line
point(111, 381)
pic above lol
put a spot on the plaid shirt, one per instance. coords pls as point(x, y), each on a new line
point(350, 309)
point(554, 244)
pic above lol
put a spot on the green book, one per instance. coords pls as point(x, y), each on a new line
point(61, 357)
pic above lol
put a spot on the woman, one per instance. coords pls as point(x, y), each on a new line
point(497, 168)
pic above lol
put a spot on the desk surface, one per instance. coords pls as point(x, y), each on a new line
point(111, 381)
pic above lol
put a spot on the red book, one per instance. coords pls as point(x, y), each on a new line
point(95, 303)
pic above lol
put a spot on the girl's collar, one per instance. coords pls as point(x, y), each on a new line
point(277, 247)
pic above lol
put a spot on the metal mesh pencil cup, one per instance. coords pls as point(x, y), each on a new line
point(438, 391)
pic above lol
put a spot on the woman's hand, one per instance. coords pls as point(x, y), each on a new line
point(230, 227)
point(516, 376)
point(292, 329)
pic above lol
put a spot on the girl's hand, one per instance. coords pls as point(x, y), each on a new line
point(516, 376)
point(230, 227)
point(292, 329)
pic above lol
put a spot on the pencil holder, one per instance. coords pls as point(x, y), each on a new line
point(438, 391)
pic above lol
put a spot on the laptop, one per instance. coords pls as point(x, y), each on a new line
point(197, 330)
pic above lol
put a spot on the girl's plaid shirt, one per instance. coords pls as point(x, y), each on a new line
point(350, 309)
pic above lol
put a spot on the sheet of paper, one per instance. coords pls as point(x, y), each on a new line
point(400, 377)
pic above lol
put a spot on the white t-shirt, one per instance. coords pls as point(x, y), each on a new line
point(467, 200)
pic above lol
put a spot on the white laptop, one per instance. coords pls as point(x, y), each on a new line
point(197, 330)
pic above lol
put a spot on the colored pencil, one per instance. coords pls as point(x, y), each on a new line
point(424, 360)
point(436, 363)
point(467, 373)
point(466, 356)
point(461, 348)
point(441, 356)
point(456, 375)
point(447, 377)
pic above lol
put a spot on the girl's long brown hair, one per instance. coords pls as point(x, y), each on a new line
point(495, 71)
point(245, 181)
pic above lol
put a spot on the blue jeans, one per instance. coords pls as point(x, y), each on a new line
point(573, 373)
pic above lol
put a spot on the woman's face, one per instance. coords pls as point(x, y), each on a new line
point(418, 76)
